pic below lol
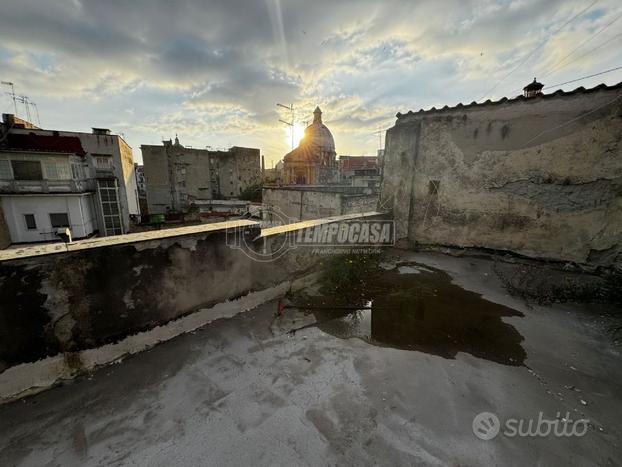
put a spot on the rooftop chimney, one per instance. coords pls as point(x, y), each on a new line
point(533, 89)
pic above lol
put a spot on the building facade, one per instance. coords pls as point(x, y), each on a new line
point(141, 187)
point(177, 176)
point(50, 180)
point(313, 162)
point(359, 171)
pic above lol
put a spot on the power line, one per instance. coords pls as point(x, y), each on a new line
point(583, 77)
point(585, 53)
point(574, 119)
point(538, 47)
point(577, 58)
point(589, 39)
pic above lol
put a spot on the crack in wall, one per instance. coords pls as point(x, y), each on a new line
point(564, 196)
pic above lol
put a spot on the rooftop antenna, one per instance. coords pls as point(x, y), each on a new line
point(24, 100)
point(290, 124)
point(12, 94)
point(37, 111)
point(379, 133)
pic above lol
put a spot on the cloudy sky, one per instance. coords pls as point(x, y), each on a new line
point(212, 71)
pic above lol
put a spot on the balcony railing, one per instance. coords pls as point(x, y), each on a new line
point(46, 186)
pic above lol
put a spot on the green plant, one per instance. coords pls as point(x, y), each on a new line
point(342, 273)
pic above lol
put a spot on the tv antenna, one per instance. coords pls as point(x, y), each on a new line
point(37, 112)
point(24, 100)
point(291, 123)
point(379, 133)
point(12, 93)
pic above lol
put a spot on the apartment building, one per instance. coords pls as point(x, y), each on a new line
point(177, 175)
point(50, 180)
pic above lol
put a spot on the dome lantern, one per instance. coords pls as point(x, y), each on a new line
point(317, 115)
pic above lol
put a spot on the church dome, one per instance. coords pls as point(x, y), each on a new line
point(318, 134)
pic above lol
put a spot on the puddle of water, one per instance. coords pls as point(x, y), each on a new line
point(424, 311)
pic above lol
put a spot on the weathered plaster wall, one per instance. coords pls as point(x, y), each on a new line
point(352, 204)
point(317, 202)
point(541, 177)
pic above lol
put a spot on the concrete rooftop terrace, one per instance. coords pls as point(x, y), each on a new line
point(235, 393)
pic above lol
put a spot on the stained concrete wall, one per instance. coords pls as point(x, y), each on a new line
point(77, 300)
point(541, 177)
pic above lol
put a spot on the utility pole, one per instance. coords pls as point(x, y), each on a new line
point(12, 94)
point(291, 123)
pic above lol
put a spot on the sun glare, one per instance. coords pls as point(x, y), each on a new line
point(299, 132)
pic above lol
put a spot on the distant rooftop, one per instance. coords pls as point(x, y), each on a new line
point(44, 143)
point(15, 122)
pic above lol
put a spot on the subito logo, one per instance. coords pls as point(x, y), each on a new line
point(486, 425)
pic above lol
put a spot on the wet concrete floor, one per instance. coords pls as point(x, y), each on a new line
point(234, 393)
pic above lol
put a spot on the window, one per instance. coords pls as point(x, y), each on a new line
point(56, 170)
point(110, 206)
point(27, 170)
point(103, 161)
point(433, 187)
point(31, 224)
point(59, 219)
point(77, 171)
point(5, 170)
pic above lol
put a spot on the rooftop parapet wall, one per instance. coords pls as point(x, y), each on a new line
point(117, 292)
point(539, 176)
point(308, 202)
point(580, 91)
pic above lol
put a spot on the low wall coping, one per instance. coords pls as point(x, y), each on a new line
point(27, 251)
point(267, 232)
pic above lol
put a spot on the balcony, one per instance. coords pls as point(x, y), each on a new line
point(46, 186)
